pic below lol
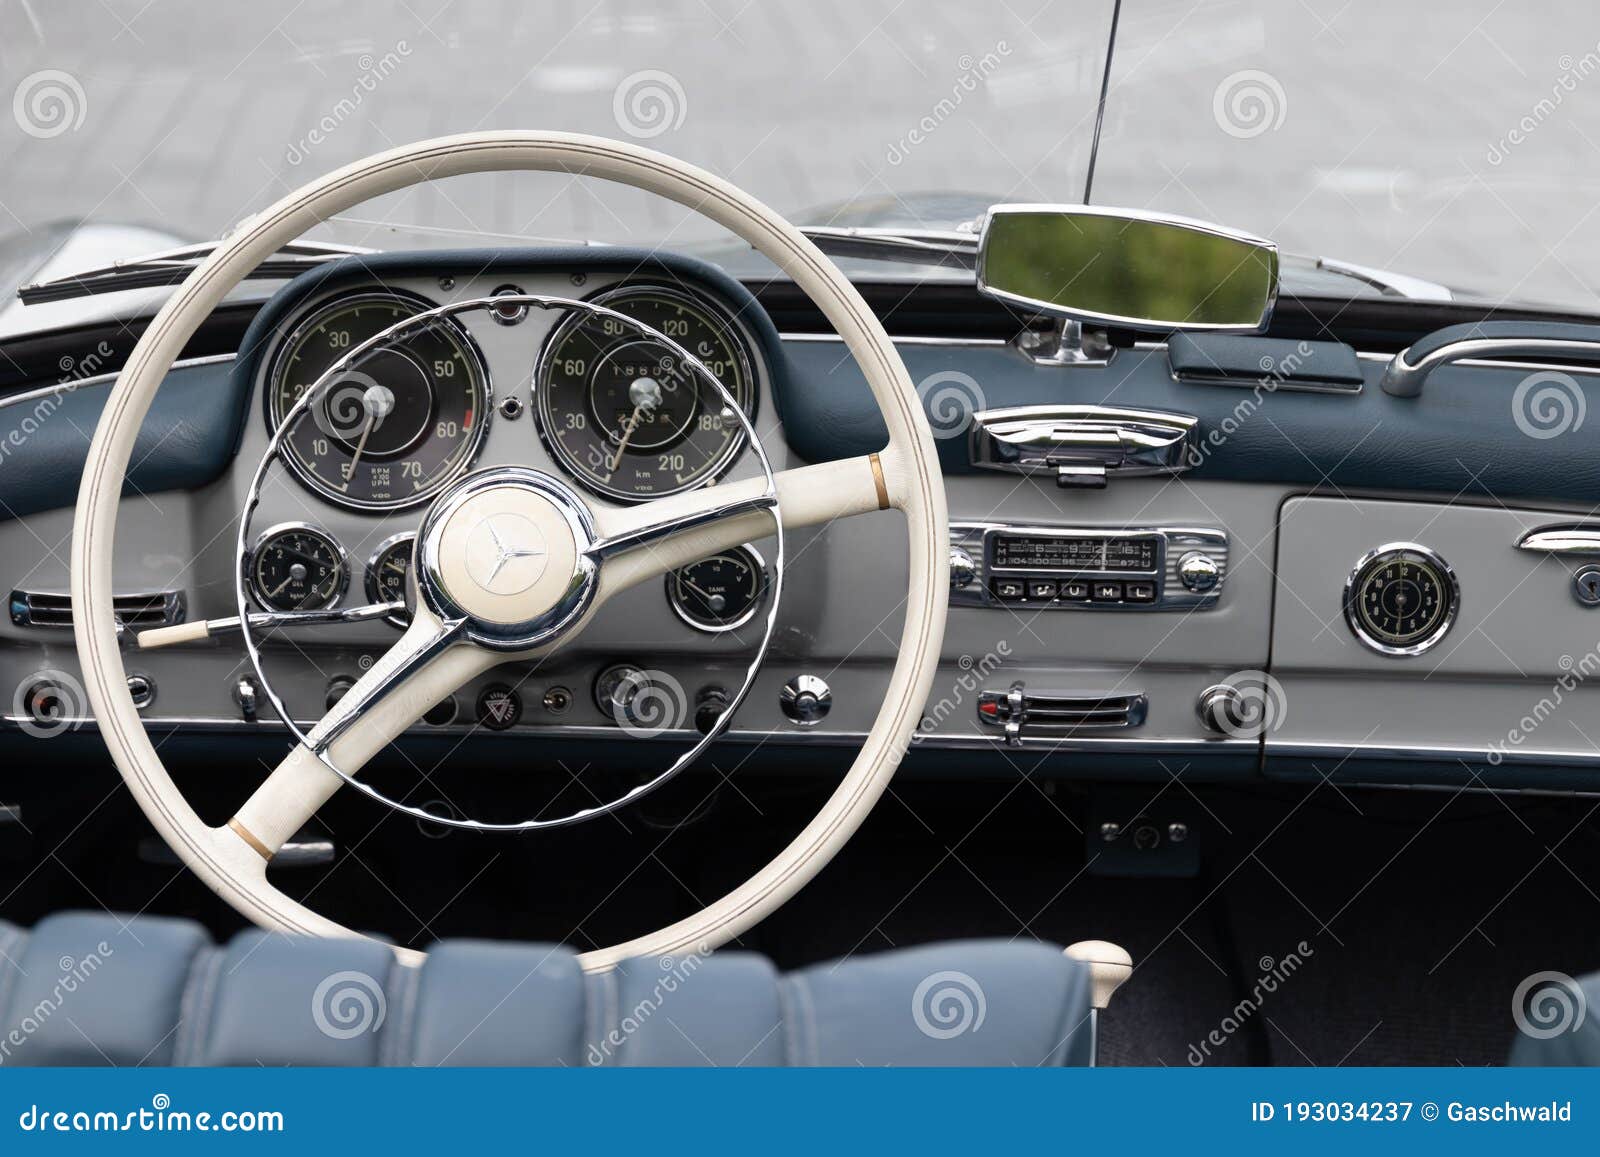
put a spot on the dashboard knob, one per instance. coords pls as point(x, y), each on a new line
point(615, 690)
point(1221, 709)
point(1199, 572)
point(708, 708)
point(248, 696)
point(962, 569)
point(806, 700)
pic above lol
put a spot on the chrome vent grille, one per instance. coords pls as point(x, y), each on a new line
point(54, 609)
point(1058, 713)
point(1180, 543)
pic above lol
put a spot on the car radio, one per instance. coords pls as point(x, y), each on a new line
point(1082, 568)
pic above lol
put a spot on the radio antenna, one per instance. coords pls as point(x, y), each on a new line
point(1100, 110)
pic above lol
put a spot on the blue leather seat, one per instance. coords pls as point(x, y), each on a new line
point(91, 989)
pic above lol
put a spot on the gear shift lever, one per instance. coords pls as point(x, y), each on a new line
point(1109, 965)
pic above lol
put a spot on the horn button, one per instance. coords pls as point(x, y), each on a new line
point(505, 549)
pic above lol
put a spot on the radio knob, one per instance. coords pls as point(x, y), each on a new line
point(1199, 572)
point(962, 569)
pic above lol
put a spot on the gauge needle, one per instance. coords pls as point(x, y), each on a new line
point(361, 445)
point(297, 571)
point(696, 588)
point(633, 422)
point(377, 401)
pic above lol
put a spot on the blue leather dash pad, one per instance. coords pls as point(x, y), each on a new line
point(187, 439)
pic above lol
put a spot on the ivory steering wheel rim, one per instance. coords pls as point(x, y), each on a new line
point(232, 859)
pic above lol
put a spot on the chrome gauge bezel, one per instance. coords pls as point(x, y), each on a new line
point(739, 337)
point(369, 578)
point(308, 317)
point(281, 528)
point(1352, 599)
point(757, 564)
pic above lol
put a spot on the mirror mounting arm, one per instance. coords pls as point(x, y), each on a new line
point(1066, 343)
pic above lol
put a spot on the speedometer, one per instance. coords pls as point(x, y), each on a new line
point(396, 425)
point(620, 412)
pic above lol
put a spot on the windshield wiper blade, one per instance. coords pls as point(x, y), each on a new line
point(172, 266)
point(1385, 281)
point(955, 248)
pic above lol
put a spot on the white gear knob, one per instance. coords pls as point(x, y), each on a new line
point(1109, 965)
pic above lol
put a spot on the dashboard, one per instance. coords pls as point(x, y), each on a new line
point(1343, 585)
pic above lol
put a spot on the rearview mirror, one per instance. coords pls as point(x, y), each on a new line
point(1128, 267)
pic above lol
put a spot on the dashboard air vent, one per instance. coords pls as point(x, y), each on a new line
point(54, 609)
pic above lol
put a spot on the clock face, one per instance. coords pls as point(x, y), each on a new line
point(1401, 599)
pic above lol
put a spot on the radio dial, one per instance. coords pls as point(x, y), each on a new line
point(1198, 572)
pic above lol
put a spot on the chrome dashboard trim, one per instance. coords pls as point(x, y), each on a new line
point(962, 741)
point(1425, 753)
point(69, 385)
point(912, 339)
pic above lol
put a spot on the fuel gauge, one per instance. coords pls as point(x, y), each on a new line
point(720, 593)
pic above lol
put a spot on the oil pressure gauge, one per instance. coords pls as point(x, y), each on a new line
point(720, 593)
point(1401, 599)
point(297, 567)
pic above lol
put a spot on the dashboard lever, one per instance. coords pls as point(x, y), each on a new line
point(206, 628)
point(1577, 540)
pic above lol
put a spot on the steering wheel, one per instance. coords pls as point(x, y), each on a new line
point(469, 616)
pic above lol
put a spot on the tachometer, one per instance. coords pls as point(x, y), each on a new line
point(619, 412)
point(399, 423)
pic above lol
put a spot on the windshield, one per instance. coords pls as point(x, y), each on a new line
point(1398, 136)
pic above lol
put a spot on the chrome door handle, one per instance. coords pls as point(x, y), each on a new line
point(1576, 540)
point(1403, 378)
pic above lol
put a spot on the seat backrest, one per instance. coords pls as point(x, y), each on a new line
point(93, 989)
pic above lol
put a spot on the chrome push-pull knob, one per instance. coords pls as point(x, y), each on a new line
point(963, 570)
point(1221, 709)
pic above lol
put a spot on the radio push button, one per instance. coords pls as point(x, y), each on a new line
point(1140, 592)
point(1105, 592)
point(1009, 589)
point(1042, 589)
point(1075, 591)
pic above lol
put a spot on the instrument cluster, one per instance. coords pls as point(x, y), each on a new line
point(618, 412)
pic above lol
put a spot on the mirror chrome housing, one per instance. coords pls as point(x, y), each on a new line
point(1127, 267)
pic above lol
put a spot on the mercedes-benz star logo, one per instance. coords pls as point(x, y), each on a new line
point(506, 553)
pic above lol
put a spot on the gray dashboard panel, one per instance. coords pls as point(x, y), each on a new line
point(1441, 714)
point(1508, 685)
